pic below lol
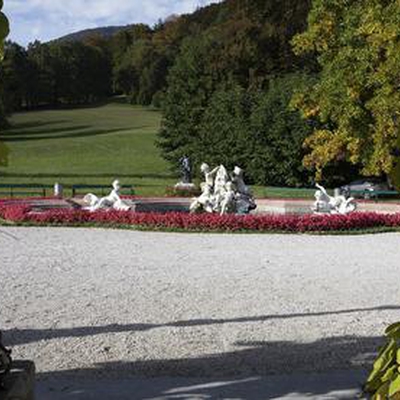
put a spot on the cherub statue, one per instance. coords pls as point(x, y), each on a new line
point(204, 201)
point(324, 203)
point(208, 175)
point(221, 180)
point(228, 203)
point(112, 201)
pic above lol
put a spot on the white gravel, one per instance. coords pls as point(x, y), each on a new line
point(154, 304)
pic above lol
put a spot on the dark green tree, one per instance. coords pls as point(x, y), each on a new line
point(16, 76)
point(191, 82)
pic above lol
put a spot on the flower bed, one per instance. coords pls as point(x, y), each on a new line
point(203, 222)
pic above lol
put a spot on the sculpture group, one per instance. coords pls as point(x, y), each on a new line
point(223, 193)
point(326, 204)
point(112, 201)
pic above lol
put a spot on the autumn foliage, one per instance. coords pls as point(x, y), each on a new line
point(355, 104)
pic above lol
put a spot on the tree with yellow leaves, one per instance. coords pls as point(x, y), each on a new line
point(356, 101)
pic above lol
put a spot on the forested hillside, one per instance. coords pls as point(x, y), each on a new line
point(104, 32)
point(223, 76)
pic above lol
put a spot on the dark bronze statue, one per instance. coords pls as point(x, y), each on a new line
point(186, 169)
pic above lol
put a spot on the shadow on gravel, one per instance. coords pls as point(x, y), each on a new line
point(241, 374)
point(335, 385)
point(249, 359)
point(15, 337)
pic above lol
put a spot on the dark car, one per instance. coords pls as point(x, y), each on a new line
point(367, 188)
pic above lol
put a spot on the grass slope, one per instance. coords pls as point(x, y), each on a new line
point(87, 145)
point(94, 145)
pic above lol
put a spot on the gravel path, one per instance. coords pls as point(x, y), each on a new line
point(155, 304)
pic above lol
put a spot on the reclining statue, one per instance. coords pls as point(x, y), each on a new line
point(332, 205)
point(223, 193)
point(112, 201)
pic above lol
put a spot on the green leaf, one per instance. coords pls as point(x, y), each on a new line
point(389, 373)
point(393, 330)
point(4, 31)
point(4, 27)
point(394, 386)
point(386, 357)
point(382, 392)
point(384, 361)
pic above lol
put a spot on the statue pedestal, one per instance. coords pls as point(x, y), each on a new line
point(185, 186)
point(20, 382)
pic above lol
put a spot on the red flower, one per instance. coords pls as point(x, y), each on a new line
point(21, 212)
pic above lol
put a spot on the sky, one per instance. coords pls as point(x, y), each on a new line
point(49, 19)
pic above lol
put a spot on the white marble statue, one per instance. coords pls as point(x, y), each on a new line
point(222, 193)
point(228, 201)
point(112, 201)
point(208, 175)
point(220, 187)
point(204, 201)
point(326, 204)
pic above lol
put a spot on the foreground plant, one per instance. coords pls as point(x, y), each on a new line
point(384, 381)
point(4, 30)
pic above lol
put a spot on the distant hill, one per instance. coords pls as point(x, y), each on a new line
point(104, 32)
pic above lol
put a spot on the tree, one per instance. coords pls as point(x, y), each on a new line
point(356, 102)
point(191, 82)
point(42, 86)
point(16, 76)
point(231, 49)
point(275, 147)
point(4, 30)
point(224, 130)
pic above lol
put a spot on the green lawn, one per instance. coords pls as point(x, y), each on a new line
point(94, 145)
point(87, 145)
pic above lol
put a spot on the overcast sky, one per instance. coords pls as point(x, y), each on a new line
point(49, 19)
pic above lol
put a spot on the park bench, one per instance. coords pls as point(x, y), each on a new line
point(103, 189)
point(11, 189)
point(374, 194)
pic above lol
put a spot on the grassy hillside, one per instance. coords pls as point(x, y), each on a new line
point(87, 145)
point(94, 145)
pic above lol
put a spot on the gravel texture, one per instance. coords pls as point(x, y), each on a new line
point(195, 305)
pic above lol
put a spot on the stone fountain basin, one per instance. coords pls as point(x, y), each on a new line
point(264, 206)
point(163, 205)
